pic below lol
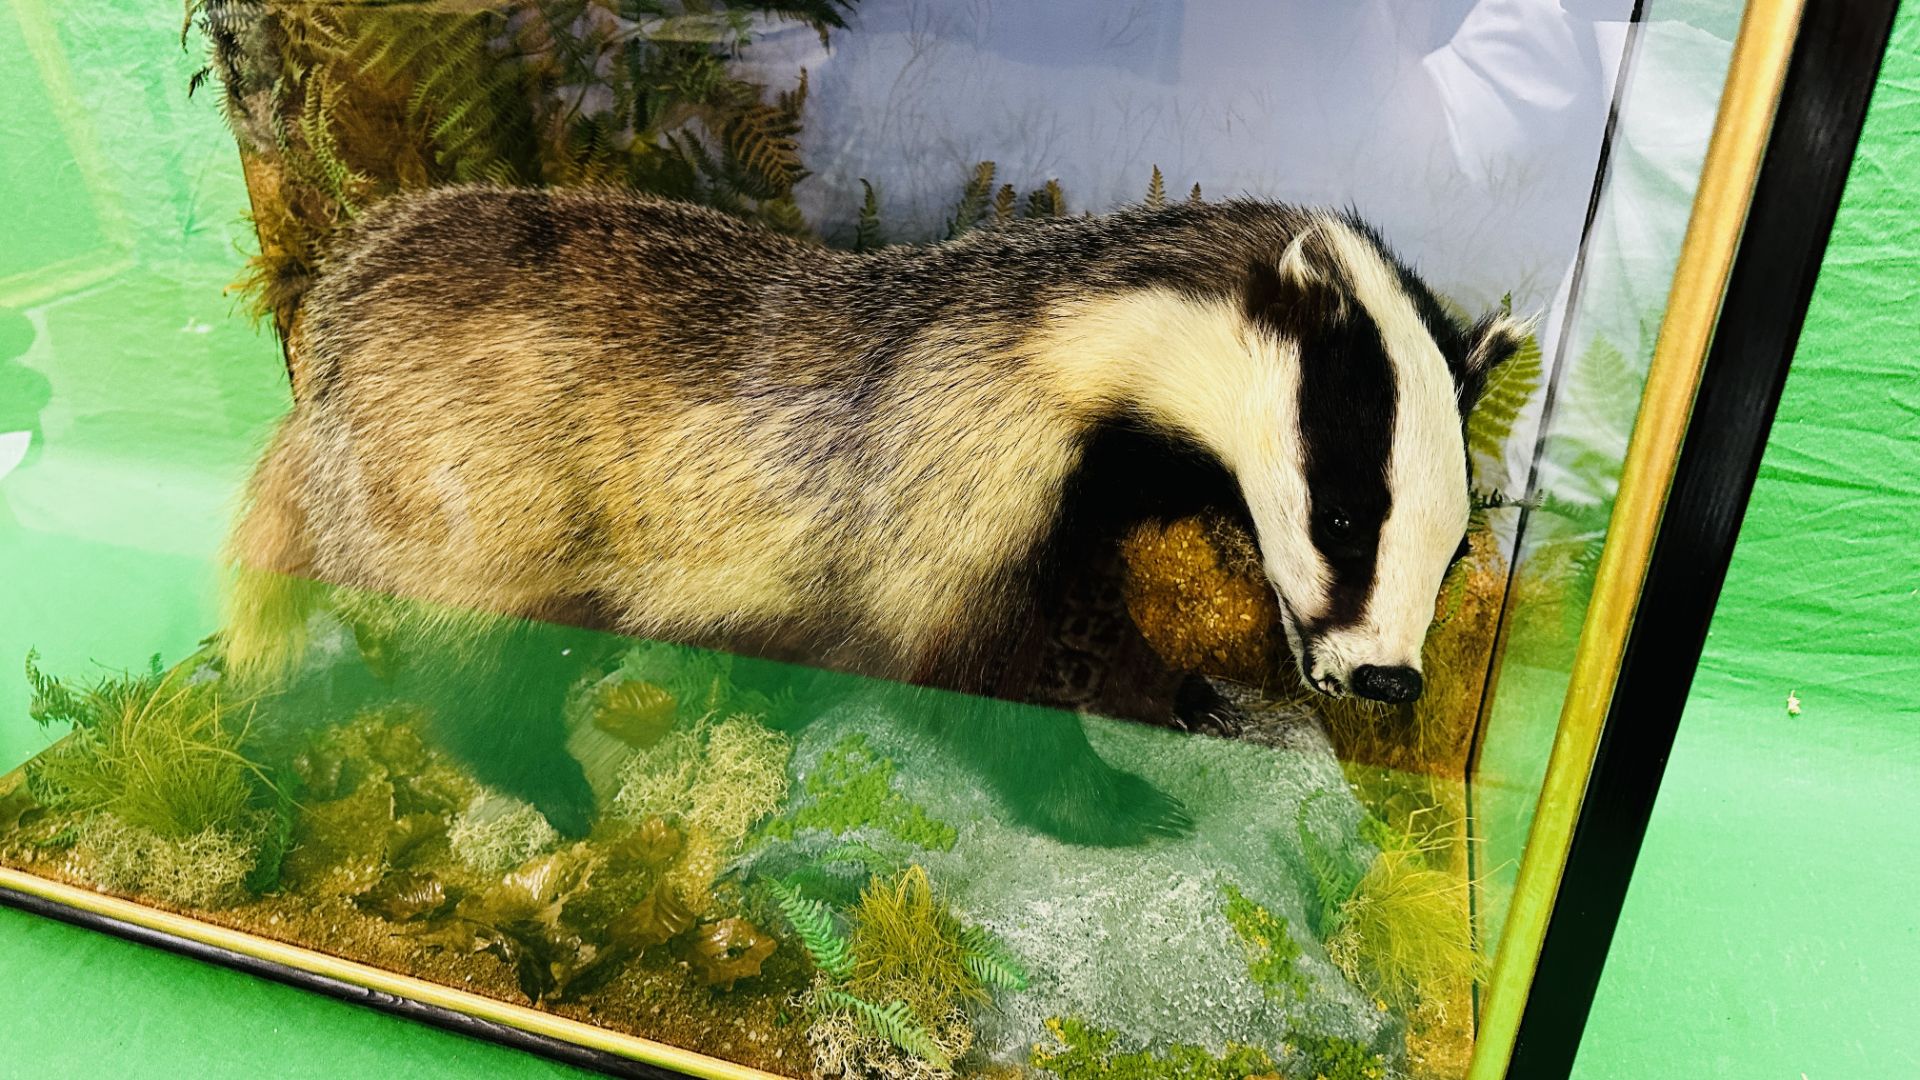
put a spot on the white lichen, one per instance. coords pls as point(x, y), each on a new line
point(496, 833)
point(206, 870)
point(718, 777)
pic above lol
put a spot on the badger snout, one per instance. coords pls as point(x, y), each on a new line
point(1394, 685)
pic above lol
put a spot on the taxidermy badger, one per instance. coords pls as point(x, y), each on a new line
point(605, 410)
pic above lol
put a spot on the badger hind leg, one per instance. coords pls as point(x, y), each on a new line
point(495, 696)
point(269, 596)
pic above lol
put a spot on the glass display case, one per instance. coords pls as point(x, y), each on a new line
point(857, 538)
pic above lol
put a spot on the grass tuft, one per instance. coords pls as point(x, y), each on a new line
point(159, 752)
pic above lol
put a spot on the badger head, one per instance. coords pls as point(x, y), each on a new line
point(1359, 489)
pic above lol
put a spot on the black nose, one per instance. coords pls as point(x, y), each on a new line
point(1390, 684)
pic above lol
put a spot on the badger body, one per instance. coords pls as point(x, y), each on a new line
point(597, 408)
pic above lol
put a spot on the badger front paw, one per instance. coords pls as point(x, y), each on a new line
point(562, 795)
point(1198, 706)
point(1099, 805)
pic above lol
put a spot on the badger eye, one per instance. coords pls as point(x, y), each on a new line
point(1339, 524)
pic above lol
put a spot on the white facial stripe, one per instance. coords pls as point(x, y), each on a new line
point(1426, 471)
point(1203, 368)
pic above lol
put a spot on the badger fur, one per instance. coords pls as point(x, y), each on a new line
point(595, 408)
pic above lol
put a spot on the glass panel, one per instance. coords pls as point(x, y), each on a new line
point(1612, 309)
point(792, 641)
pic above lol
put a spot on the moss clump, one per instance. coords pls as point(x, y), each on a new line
point(1272, 955)
point(1195, 588)
point(1330, 1057)
point(1085, 1052)
point(495, 834)
point(206, 869)
point(718, 777)
point(159, 752)
point(852, 788)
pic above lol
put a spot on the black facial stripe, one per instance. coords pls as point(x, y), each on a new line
point(1347, 406)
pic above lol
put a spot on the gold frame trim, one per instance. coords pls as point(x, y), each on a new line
point(372, 978)
point(1755, 77)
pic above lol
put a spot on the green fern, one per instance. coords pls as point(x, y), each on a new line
point(1335, 875)
point(862, 854)
point(894, 1022)
point(813, 921)
point(1156, 190)
point(973, 201)
point(988, 961)
point(1004, 203)
point(762, 141)
point(322, 163)
point(1194, 196)
point(52, 702)
point(1050, 200)
point(866, 231)
point(1511, 386)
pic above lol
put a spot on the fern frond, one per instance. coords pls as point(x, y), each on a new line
point(813, 921)
point(866, 232)
point(322, 160)
point(1508, 391)
point(894, 1023)
point(863, 855)
point(793, 102)
point(783, 215)
point(989, 962)
point(1004, 202)
point(51, 700)
point(1156, 190)
point(973, 200)
point(1334, 876)
point(1047, 201)
point(1194, 195)
point(761, 141)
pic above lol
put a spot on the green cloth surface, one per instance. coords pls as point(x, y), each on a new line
point(1770, 931)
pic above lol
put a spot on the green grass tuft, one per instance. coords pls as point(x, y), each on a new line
point(906, 944)
point(159, 752)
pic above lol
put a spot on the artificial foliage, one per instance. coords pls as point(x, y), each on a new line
point(813, 921)
point(1511, 387)
point(852, 789)
point(159, 751)
point(905, 971)
point(1084, 1051)
point(1273, 956)
point(340, 105)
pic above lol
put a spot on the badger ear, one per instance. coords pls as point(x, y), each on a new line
point(1492, 342)
point(1291, 297)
